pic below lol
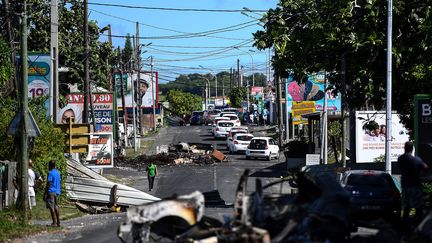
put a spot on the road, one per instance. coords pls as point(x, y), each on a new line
point(178, 180)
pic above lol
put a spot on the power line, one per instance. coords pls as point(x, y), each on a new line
point(179, 9)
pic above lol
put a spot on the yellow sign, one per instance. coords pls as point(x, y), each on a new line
point(77, 136)
point(298, 105)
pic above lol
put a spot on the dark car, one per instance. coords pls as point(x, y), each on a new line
point(197, 118)
point(374, 195)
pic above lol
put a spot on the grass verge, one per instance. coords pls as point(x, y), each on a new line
point(145, 147)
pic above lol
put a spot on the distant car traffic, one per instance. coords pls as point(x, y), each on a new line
point(233, 118)
point(197, 118)
point(215, 121)
point(210, 115)
point(223, 128)
point(374, 194)
point(262, 147)
point(239, 142)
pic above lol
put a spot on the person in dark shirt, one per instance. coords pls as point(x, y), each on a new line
point(411, 168)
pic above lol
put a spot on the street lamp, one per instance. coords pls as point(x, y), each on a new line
point(253, 70)
point(216, 94)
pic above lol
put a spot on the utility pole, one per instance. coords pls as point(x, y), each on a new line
point(125, 115)
point(238, 72)
point(279, 100)
point(54, 89)
point(343, 110)
point(138, 84)
point(231, 78)
point(389, 87)
point(23, 172)
point(153, 93)
point(86, 65)
point(287, 123)
point(324, 142)
point(134, 90)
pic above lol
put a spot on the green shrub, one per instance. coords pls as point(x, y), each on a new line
point(427, 189)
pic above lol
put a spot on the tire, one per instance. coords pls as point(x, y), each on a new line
point(268, 158)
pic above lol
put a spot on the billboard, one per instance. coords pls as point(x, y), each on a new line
point(39, 77)
point(423, 127)
point(101, 151)
point(256, 90)
point(103, 109)
point(147, 90)
point(312, 90)
point(370, 132)
point(300, 108)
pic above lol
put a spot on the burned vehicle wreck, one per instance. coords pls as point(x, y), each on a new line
point(318, 211)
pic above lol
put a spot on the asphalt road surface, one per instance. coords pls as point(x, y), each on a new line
point(221, 178)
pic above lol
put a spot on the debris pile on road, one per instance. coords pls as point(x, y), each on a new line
point(181, 153)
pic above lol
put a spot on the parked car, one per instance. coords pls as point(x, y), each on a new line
point(239, 142)
point(235, 130)
point(374, 194)
point(223, 128)
point(197, 118)
point(210, 115)
point(235, 110)
point(213, 129)
point(233, 118)
point(262, 147)
point(223, 113)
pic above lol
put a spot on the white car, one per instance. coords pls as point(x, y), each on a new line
point(239, 142)
point(213, 129)
point(223, 128)
point(262, 147)
point(234, 118)
point(223, 113)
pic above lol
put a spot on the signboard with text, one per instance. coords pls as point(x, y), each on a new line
point(300, 108)
point(370, 127)
point(423, 127)
point(103, 110)
point(100, 151)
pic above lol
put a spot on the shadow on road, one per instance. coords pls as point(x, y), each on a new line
point(213, 199)
point(276, 170)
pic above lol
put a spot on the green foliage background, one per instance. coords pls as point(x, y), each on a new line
point(183, 103)
point(49, 146)
point(237, 95)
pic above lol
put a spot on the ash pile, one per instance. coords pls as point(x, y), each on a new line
point(176, 154)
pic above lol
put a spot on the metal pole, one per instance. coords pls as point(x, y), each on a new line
point(279, 100)
point(125, 115)
point(215, 88)
point(138, 84)
point(86, 65)
point(238, 73)
point(133, 114)
point(286, 113)
point(324, 124)
point(389, 87)
point(23, 179)
point(154, 89)
point(54, 99)
point(343, 110)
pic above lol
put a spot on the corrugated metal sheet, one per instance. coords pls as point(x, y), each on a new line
point(83, 184)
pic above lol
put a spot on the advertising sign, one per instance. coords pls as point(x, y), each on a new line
point(312, 90)
point(145, 85)
point(371, 134)
point(256, 90)
point(39, 77)
point(103, 109)
point(300, 108)
point(100, 152)
point(423, 127)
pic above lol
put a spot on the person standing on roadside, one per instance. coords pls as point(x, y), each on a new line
point(33, 180)
point(52, 192)
point(151, 174)
point(411, 168)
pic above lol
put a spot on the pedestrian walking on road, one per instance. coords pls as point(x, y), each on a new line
point(412, 193)
point(151, 174)
point(52, 192)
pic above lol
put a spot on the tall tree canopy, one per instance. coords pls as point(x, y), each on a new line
point(71, 44)
point(310, 35)
point(183, 103)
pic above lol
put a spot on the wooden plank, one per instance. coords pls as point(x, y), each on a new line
point(76, 128)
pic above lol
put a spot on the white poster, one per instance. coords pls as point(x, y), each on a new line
point(101, 151)
point(371, 135)
point(147, 85)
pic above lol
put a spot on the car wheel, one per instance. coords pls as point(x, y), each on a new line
point(268, 158)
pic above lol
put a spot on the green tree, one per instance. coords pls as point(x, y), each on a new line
point(309, 36)
point(127, 51)
point(6, 68)
point(182, 103)
point(237, 95)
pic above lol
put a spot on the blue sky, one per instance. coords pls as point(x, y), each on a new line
point(173, 55)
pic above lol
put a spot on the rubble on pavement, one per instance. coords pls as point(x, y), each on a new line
point(181, 153)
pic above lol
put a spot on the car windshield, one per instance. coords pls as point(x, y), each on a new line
point(258, 144)
point(244, 138)
point(370, 180)
point(225, 124)
point(237, 132)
